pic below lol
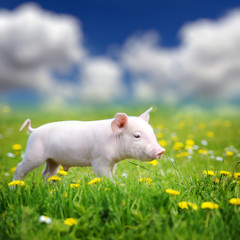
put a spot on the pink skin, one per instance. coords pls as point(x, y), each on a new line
point(100, 144)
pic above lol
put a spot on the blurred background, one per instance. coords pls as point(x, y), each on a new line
point(89, 52)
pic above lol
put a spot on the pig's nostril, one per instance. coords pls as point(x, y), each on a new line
point(160, 154)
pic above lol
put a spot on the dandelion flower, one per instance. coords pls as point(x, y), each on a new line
point(13, 169)
point(225, 173)
point(209, 205)
point(123, 202)
point(216, 180)
point(94, 181)
point(227, 123)
point(54, 178)
point(153, 163)
point(175, 138)
point(203, 151)
point(163, 143)
point(183, 205)
point(16, 182)
point(62, 172)
point(147, 180)
point(209, 172)
point(107, 189)
point(182, 154)
point(51, 191)
point(236, 175)
point(16, 147)
point(235, 201)
point(210, 134)
point(186, 205)
point(172, 192)
point(65, 194)
point(70, 221)
point(75, 185)
point(178, 145)
point(190, 142)
point(201, 126)
point(229, 153)
point(159, 135)
point(45, 219)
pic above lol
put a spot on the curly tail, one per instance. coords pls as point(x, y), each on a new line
point(28, 123)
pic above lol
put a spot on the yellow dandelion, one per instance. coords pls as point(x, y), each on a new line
point(186, 205)
point(193, 205)
point(6, 109)
point(183, 205)
point(17, 147)
point(123, 202)
point(65, 195)
point(227, 123)
point(16, 182)
point(172, 192)
point(236, 175)
point(175, 138)
point(107, 189)
point(190, 142)
point(181, 125)
point(178, 145)
point(163, 143)
point(147, 180)
point(159, 135)
point(51, 191)
point(203, 151)
point(225, 173)
point(229, 153)
point(70, 221)
point(153, 163)
point(209, 172)
point(94, 181)
point(216, 180)
point(62, 172)
point(235, 201)
point(61, 168)
point(210, 134)
point(160, 126)
point(75, 185)
point(182, 154)
point(209, 205)
point(78, 181)
point(54, 179)
point(13, 169)
point(201, 126)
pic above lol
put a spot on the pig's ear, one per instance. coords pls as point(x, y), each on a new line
point(119, 122)
point(145, 116)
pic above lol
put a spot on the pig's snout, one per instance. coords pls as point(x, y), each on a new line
point(159, 154)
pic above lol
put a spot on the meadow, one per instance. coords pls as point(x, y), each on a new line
point(191, 193)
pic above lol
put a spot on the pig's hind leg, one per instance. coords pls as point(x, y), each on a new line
point(51, 169)
point(34, 157)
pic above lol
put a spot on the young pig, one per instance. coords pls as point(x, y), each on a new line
point(100, 144)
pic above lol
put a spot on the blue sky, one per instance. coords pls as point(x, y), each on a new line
point(108, 22)
point(106, 51)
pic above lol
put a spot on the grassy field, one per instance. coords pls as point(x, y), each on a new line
point(138, 206)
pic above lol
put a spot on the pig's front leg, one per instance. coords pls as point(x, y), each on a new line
point(102, 169)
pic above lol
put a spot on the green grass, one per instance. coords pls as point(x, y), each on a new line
point(129, 209)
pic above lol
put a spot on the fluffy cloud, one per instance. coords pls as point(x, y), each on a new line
point(33, 44)
point(206, 64)
point(101, 80)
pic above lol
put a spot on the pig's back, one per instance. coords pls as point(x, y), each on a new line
point(74, 141)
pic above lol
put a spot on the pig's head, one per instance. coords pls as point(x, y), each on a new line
point(136, 138)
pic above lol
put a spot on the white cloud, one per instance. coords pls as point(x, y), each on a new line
point(34, 43)
point(206, 64)
point(101, 80)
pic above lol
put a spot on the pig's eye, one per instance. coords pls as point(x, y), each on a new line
point(137, 135)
